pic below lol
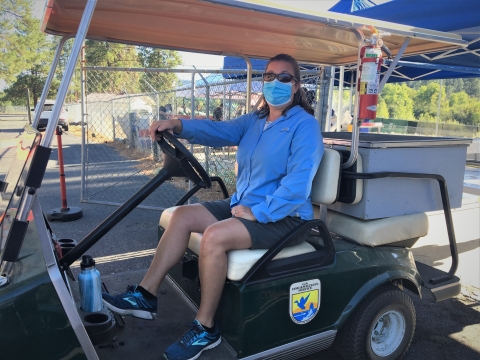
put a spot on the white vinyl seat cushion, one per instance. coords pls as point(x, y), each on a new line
point(379, 231)
point(239, 261)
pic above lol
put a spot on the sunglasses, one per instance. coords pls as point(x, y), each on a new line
point(283, 77)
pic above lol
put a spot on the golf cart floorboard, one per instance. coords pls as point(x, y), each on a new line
point(441, 291)
point(148, 339)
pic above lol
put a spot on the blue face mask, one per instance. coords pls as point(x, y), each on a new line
point(277, 93)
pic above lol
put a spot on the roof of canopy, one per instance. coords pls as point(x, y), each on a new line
point(258, 29)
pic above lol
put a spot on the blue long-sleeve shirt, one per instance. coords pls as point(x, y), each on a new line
point(276, 166)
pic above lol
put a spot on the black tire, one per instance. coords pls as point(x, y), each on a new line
point(65, 127)
point(354, 340)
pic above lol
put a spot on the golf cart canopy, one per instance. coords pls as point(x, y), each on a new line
point(257, 29)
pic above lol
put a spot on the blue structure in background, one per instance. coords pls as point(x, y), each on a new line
point(461, 17)
point(349, 6)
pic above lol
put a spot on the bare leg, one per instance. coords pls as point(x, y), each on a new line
point(217, 239)
point(174, 242)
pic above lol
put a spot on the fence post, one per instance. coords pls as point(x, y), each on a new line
point(83, 123)
point(438, 107)
point(113, 121)
point(207, 117)
point(340, 98)
point(28, 108)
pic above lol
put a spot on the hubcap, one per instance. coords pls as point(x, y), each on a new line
point(388, 333)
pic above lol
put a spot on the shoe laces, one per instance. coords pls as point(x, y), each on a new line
point(191, 334)
point(132, 290)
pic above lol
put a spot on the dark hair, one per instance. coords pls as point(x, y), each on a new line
point(298, 99)
point(162, 110)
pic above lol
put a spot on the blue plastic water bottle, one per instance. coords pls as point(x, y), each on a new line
point(90, 286)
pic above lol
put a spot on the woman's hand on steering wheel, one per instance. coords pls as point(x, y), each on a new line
point(156, 127)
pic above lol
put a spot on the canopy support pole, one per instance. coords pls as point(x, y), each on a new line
point(356, 123)
point(249, 78)
point(340, 98)
point(49, 79)
point(84, 122)
point(331, 83)
point(393, 64)
point(67, 76)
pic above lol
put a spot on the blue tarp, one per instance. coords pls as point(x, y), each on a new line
point(235, 63)
point(461, 17)
point(349, 6)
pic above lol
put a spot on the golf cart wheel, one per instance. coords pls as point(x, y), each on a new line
point(65, 127)
point(381, 327)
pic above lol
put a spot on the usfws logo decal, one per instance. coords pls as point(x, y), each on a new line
point(304, 301)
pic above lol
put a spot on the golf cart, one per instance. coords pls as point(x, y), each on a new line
point(344, 285)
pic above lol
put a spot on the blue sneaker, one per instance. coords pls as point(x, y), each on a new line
point(131, 302)
point(195, 341)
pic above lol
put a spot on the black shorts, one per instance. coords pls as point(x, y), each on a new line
point(263, 236)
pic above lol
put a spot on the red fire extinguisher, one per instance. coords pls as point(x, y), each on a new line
point(371, 62)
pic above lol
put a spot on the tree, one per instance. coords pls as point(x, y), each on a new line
point(453, 86)
point(399, 101)
point(102, 53)
point(158, 58)
point(382, 110)
point(22, 43)
point(472, 87)
point(26, 51)
point(426, 100)
point(464, 109)
point(33, 80)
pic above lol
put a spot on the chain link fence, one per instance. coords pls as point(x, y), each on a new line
point(13, 109)
point(120, 105)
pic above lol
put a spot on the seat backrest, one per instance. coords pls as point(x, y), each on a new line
point(326, 183)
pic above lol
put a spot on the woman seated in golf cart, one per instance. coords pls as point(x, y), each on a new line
point(279, 150)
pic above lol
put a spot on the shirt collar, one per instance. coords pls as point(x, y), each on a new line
point(290, 112)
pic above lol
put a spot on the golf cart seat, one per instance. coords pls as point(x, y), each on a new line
point(324, 190)
point(396, 230)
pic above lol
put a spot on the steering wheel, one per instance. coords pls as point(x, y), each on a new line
point(178, 157)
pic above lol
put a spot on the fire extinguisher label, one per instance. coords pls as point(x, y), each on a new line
point(369, 72)
point(363, 88)
point(372, 88)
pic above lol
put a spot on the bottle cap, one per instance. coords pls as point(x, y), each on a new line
point(87, 262)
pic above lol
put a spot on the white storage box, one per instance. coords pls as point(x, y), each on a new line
point(396, 153)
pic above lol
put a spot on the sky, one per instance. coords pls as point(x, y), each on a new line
point(189, 59)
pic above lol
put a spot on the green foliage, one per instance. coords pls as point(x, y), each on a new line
point(118, 55)
point(382, 109)
point(157, 58)
point(460, 101)
point(102, 53)
point(33, 80)
point(27, 52)
point(472, 87)
point(399, 101)
point(426, 100)
point(427, 118)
